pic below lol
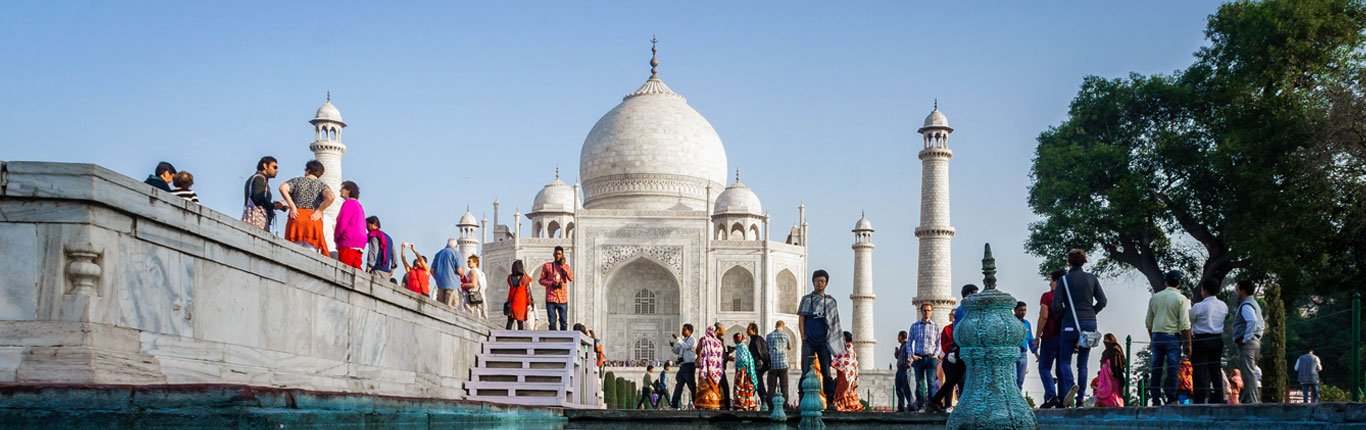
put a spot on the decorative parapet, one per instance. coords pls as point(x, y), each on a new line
point(83, 270)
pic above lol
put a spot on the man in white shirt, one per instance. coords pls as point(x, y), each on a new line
point(686, 348)
point(1207, 345)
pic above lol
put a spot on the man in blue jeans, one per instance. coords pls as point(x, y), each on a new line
point(1078, 301)
point(1047, 343)
point(818, 321)
point(1022, 364)
point(1169, 327)
point(555, 277)
point(922, 349)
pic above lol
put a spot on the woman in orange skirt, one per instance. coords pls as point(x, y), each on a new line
point(845, 368)
point(306, 197)
point(709, 370)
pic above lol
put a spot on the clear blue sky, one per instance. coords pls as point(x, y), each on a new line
point(454, 104)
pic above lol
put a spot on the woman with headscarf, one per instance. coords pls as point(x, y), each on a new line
point(845, 367)
point(746, 377)
point(519, 297)
point(1108, 382)
point(709, 366)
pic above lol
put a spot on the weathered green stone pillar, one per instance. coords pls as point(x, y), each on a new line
point(989, 339)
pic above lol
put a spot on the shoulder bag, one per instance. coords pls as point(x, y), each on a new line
point(1090, 339)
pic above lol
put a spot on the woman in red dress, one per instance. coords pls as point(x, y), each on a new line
point(519, 297)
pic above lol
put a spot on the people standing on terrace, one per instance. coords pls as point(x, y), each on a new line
point(555, 277)
point(758, 349)
point(779, 345)
point(258, 206)
point(519, 297)
point(183, 180)
point(448, 266)
point(306, 198)
point(746, 396)
point(1080, 301)
point(921, 352)
point(1049, 325)
point(472, 287)
point(846, 370)
point(1207, 344)
point(417, 276)
point(953, 366)
point(1248, 326)
point(1022, 363)
point(818, 320)
point(350, 233)
point(162, 177)
point(709, 370)
point(379, 255)
point(1168, 324)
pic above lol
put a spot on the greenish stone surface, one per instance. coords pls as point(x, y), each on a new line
point(989, 339)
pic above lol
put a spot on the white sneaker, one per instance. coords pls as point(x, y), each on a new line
point(1069, 399)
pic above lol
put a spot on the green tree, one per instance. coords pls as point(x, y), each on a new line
point(1216, 168)
point(1273, 360)
point(609, 390)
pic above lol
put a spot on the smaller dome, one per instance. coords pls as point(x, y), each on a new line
point(738, 199)
point(936, 119)
point(555, 197)
point(863, 224)
point(467, 219)
point(328, 112)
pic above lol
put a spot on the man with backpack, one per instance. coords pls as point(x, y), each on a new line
point(379, 255)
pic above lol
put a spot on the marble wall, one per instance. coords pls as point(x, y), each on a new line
point(108, 281)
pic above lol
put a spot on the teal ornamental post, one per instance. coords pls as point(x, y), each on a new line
point(989, 338)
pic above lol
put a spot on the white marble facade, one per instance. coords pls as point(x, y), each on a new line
point(657, 239)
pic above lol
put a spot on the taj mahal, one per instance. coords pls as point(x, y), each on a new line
point(660, 234)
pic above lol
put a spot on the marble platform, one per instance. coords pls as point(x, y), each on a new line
point(105, 280)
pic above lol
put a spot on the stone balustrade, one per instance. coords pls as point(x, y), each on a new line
point(109, 281)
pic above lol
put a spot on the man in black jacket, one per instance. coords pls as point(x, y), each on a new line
point(758, 348)
point(1077, 301)
point(161, 178)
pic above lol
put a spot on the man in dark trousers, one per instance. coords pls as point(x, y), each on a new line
point(758, 348)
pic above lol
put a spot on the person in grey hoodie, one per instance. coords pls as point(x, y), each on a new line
point(1308, 367)
point(1248, 325)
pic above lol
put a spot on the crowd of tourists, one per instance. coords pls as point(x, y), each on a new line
point(760, 363)
point(1186, 340)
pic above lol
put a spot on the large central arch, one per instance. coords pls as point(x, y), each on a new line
point(642, 300)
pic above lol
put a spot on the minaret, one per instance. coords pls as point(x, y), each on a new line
point(327, 148)
point(469, 239)
point(862, 298)
point(935, 234)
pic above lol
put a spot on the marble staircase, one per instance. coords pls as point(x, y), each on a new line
point(537, 368)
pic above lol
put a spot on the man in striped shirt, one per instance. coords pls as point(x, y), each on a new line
point(920, 347)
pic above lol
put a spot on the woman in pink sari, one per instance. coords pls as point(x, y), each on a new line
point(709, 370)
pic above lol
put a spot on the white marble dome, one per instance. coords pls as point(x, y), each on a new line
point(649, 152)
point(329, 112)
point(468, 219)
point(863, 224)
point(738, 199)
point(936, 119)
point(554, 197)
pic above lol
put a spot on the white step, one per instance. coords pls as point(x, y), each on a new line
point(531, 348)
point(557, 376)
point(510, 362)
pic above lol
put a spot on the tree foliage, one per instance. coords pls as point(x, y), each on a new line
point(1229, 165)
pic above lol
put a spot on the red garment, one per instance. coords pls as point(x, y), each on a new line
point(946, 339)
point(350, 257)
point(602, 358)
point(1053, 324)
point(418, 281)
point(519, 295)
point(556, 293)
